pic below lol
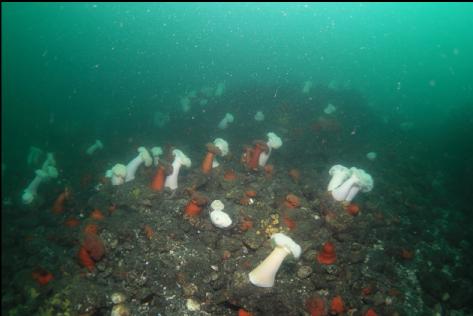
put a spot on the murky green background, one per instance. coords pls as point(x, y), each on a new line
point(74, 71)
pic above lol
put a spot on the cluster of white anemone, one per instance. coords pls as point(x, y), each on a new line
point(120, 173)
point(346, 183)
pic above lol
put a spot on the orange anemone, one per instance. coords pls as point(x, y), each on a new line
point(292, 201)
point(352, 209)
point(243, 312)
point(407, 254)
point(149, 232)
point(212, 150)
point(315, 305)
point(58, 206)
point(253, 162)
point(158, 181)
point(370, 312)
point(97, 215)
point(230, 175)
point(85, 259)
point(195, 205)
point(72, 222)
point(246, 224)
point(41, 276)
point(327, 255)
point(337, 306)
point(91, 229)
point(290, 223)
point(269, 169)
point(250, 193)
point(295, 175)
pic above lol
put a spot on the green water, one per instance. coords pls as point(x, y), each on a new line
point(86, 69)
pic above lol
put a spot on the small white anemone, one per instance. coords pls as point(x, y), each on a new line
point(224, 122)
point(222, 145)
point(118, 174)
point(160, 119)
point(371, 155)
point(97, 145)
point(217, 205)
point(259, 116)
point(34, 155)
point(307, 86)
point(339, 174)
point(274, 142)
point(219, 218)
point(156, 152)
point(220, 89)
point(143, 156)
point(50, 161)
point(180, 159)
point(185, 104)
point(330, 109)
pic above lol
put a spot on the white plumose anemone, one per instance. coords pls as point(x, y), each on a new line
point(97, 145)
point(222, 145)
point(259, 116)
point(219, 218)
point(156, 152)
point(160, 119)
point(34, 155)
point(339, 174)
point(143, 156)
point(224, 122)
point(117, 174)
point(371, 156)
point(358, 181)
point(180, 159)
point(330, 109)
point(41, 175)
point(47, 171)
point(307, 86)
point(265, 273)
point(185, 104)
point(50, 161)
point(274, 142)
point(220, 89)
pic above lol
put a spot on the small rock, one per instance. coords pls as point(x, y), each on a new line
point(252, 240)
point(304, 272)
point(309, 255)
point(113, 244)
point(118, 298)
point(189, 289)
point(378, 299)
point(120, 310)
point(230, 244)
point(192, 305)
